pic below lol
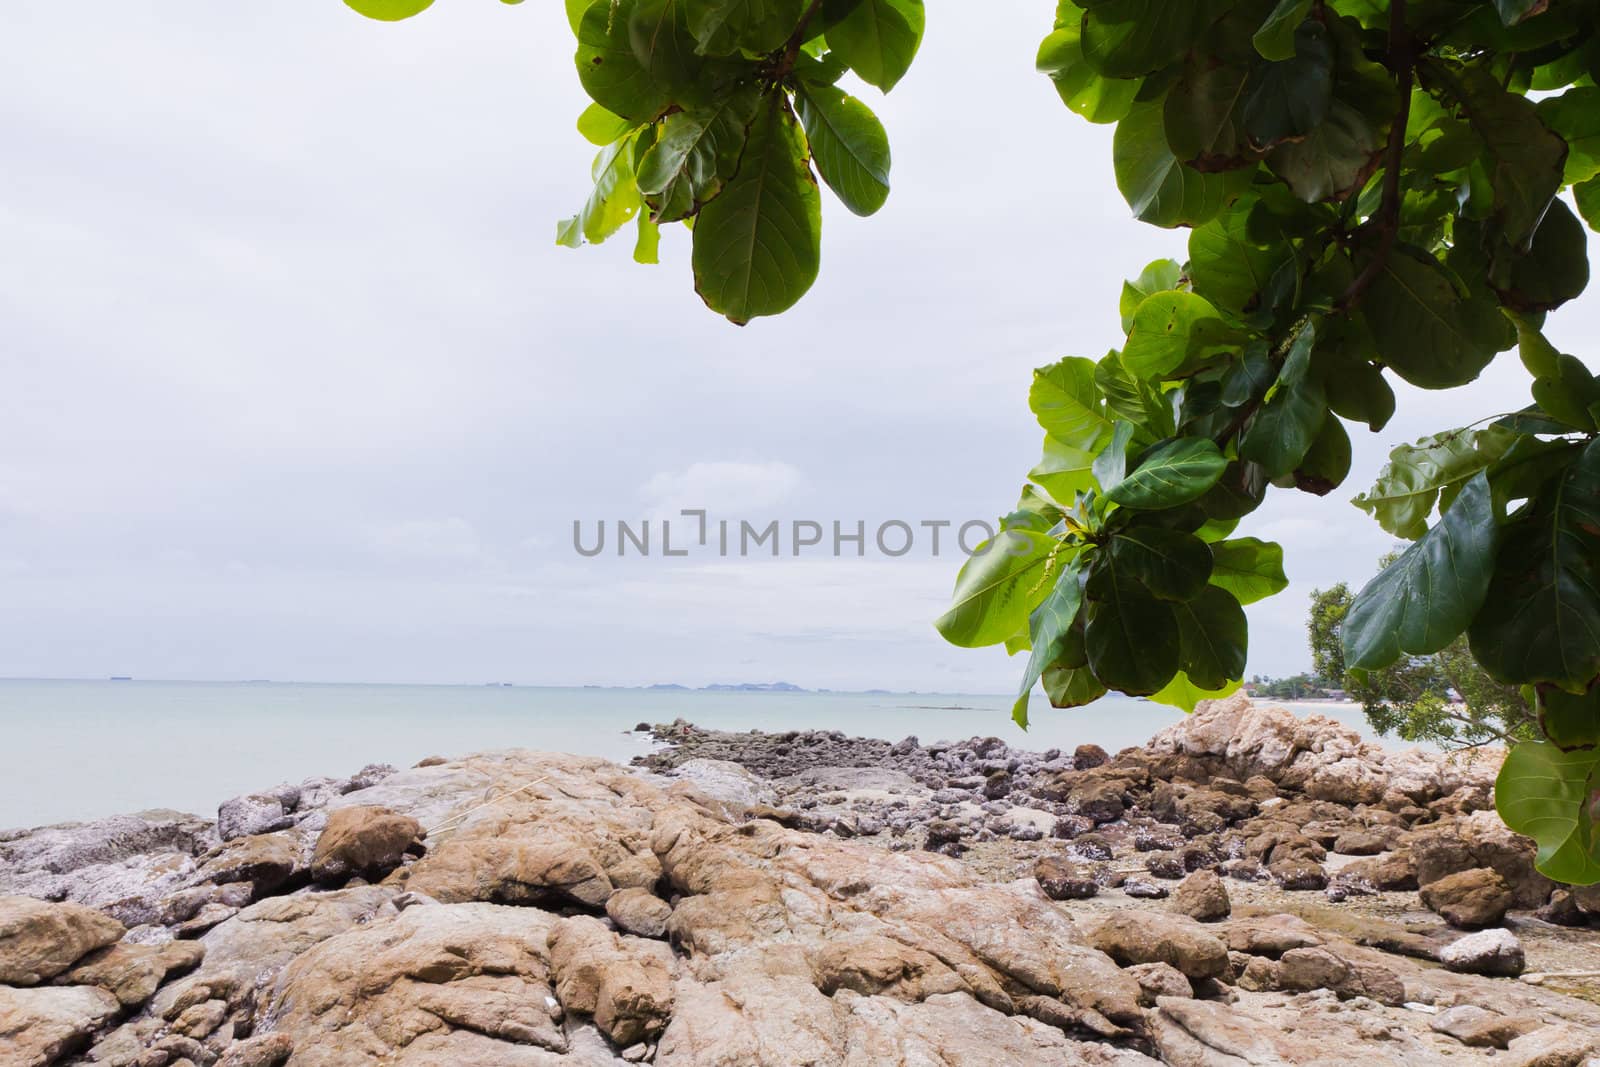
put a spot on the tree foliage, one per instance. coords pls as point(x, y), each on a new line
point(1371, 189)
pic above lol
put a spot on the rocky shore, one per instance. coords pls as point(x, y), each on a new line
point(1249, 887)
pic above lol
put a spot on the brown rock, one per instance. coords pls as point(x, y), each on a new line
point(1271, 935)
point(1470, 899)
point(1085, 757)
point(1100, 800)
point(625, 984)
point(265, 1050)
point(1061, 879)
point(1361, 843)
point(39, 1026)
point(1298, 874)
point(510, 872)
point(1480, 1028)
point(1553, 1046)
point(267, 861)
point(39, 940)
point(1202, 896)
point(1156, 937)
point(1346, 975)
point(1159, 980)
point(1395, 871)
point(365, 841)
point(873, 965)
point(132, 973)
point(639, 912)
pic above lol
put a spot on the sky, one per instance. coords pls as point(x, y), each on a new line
point(295, 383)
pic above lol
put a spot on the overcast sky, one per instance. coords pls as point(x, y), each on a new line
point(297, 385)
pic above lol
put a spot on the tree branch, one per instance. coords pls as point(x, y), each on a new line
point(1401, 61)
point(791, 51)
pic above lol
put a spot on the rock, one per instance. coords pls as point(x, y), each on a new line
point(132, 973)
point(39, 1026)
point(39, 940)
point(626, 985)
point(510, 871)
point(1098, 800)
point(256, 813)
point(1202, 896)
point(1361, 843)
point(1155, 937)
point(1260, 975)
point(267, 1050)
point(1491, 952)
point(1562, 910)
point(1394, 871)
point(267, 861)
point(365, 841)
point(1061, 879)
point(1481, 839)
point(1085, 757)
point(1272, 935)
point(1480, 1028)
point(1159, 980)
point(1469, 899)
point(1143, 889)
point(1298, 874)
point(1344, 974)
point(639, 912)
point(1553, 1046)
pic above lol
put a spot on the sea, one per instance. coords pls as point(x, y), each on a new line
point(75, 750)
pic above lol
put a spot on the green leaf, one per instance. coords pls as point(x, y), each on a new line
point(600, 127)
point(1048, 628)
point(611, 74)
point(1424, 329)
point(1570, 720)
point(1183, 693)
point(1550, 796)
point(1064, 399)
point(1127, 38)
point(1554, 270)
point(1514, 11)
point(1290, 98)
point(1168, 329)
point(723, 27)
point(996, 589)
point(696, 154)
point(647, 246)
point(1248, 568)
point(1409, 485)
point(1072, 687)
point(1064, 471)
point(1161, 190)
point(1545, 622)
point(1282, 431)
point(1175, 473)
point(1275, 38)
point(389, 10)
point(1333, 159)
point(1111, 465)
point(1327, 461)
point(612, 202)
point(575, 12)
point(1575, 116)
point(1237, 493)
point(1587, 196)
point(659, 35)
point(1422, 601)
point(1085, 92)
point(1229, 269)
point(1525, 159)
point(849, 144)
point(1133, 399)
point(1131, 638)
point(878, 38)
point(1171, 564)
point(1201, 115)
point(1213, 636)
point(1156, 276)
point(1569, 393)
point(757, 246)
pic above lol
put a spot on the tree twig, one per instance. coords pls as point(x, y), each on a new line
point(1401, 61)
point(791, 51)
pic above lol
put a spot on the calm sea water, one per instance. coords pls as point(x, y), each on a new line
point(77, 750)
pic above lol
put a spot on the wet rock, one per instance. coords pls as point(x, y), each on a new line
point(1480, 1028)
point(39, 940)
point(1156, 937)
point(363, 841)
point(39, 1026)
point(255, 813)
point(1469, 899)
point(1061, 879)
point(1202, 896)
point(1496, 953)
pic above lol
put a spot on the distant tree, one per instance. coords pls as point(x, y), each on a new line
point(1445, 698)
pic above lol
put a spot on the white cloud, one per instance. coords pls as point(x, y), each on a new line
point(722, 488)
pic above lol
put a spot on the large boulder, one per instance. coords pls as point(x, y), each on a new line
point(363, 840)
point(1131, 937)
point(625, 984)
point(39, 1026)
point(1346, 974)
point(39, 940)
point(1202, 896)
point(1469, 899)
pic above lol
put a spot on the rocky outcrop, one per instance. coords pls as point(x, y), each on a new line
point(39, 940)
